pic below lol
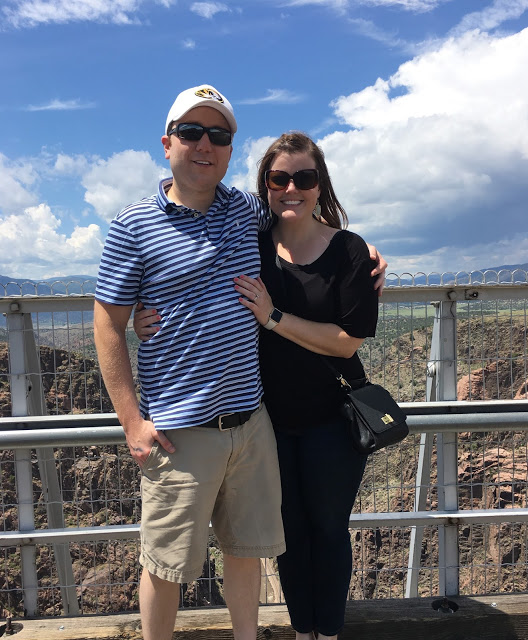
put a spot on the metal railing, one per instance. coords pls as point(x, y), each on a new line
point(421, 525)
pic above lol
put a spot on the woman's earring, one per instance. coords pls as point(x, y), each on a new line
point(317, 211)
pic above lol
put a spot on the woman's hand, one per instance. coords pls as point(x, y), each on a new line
point(379, 269)
point(143, 322)
point(256, 297)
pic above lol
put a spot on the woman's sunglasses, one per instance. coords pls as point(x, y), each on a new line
point(304, 179)
point(194, 132)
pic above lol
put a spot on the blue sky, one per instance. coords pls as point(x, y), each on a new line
point(421, 108)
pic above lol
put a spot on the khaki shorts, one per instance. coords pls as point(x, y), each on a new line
point(230, 478)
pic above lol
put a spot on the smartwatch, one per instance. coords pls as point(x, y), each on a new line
point(273, 319)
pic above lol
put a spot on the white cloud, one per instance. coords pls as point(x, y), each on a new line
point(341, 5)
point(370, 30)
point(188, 43)
point(70, 165)
point(436, 173)
point(253, 151)
point(16, 180)
point(492, 16)
point(471, 78)
point(275, 96)
point(61, 105)
point(31, 242)
point(125, 177)
point(30, 13)
point(410, 5)
point(31, 245)
point(208, 9)
point(512, 249)
point(444, 158)
point(322, 127)
point(489, 18)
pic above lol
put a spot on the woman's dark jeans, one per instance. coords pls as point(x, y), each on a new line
point(320, 474)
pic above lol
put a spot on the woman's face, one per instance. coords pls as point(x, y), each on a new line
point(292, 202)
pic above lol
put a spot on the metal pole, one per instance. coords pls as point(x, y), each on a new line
point(423, 480)
point(423, 472)
point(447, 451)
point(423, 477)
point(23, 470)
point(36, 405)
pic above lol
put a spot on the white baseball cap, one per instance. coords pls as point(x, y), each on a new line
point(203, 96)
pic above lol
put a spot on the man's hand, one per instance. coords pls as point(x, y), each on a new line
point(110, 323)
point(140, 437)
point(379, 270)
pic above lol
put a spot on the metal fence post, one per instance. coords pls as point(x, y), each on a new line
point(35, 404)
point(423, 476)
point(446, 389)
point(441, 385)
point(24, 478)
point(423, 480)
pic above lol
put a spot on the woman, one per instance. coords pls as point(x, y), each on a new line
point(316, 297)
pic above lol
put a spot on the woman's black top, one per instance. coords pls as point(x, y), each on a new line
point(299, 389)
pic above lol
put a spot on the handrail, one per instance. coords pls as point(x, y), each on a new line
point(422, 417)
point(391, 294)
point(364, 520)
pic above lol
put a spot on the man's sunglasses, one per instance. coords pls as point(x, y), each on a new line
point(194, 132)
point(304, 179)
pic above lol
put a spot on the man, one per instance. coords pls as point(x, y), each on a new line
point(204, 442)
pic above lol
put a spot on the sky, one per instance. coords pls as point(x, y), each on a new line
point(420, 106)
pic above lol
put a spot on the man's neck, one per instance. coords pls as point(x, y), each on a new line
point(198, 200)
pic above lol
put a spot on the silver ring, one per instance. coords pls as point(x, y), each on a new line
point(256, 296)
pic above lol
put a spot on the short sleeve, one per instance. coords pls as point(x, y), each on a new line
point(358, 300)
point(120, 269)
point(264, 215)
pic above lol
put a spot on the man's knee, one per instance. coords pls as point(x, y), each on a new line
point(241, 570)
point(241, 562)
point(157, 583)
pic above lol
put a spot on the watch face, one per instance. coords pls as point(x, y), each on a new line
point(276, 315)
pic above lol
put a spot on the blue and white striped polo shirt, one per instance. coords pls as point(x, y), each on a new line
point(204, 360)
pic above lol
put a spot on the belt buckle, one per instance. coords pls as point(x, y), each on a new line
point(224, 415)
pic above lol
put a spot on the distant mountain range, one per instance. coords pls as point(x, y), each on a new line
point(77, 284)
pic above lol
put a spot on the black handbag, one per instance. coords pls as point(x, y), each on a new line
point(375, 419)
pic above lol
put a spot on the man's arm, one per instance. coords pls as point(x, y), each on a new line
point(110, 323)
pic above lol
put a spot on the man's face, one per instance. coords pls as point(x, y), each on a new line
point(197, 166)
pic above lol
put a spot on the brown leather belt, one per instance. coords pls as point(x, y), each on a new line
point(228, 420)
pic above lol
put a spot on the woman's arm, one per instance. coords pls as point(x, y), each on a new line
point(145, 329)
point(320, 337)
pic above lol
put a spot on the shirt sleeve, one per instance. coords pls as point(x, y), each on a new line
point(120, 269)
point(264, 215)
point(262, 211)
point(358, 300)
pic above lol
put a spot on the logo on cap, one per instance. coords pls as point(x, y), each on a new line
point(206, 92)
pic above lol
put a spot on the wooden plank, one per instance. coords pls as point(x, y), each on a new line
point(503, 617)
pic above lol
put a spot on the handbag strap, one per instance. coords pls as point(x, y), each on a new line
point(348, 386)
point(357, 383)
